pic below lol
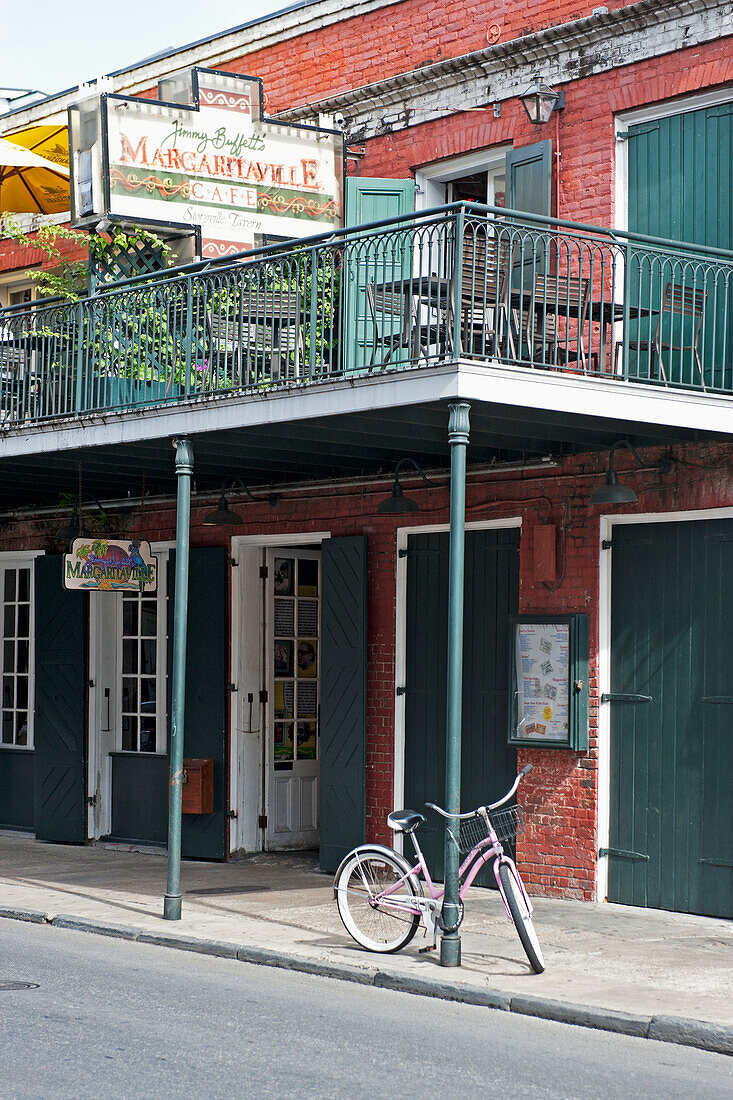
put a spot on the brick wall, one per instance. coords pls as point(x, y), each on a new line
point(557, 852)
point(586, 126)
point(395, 39)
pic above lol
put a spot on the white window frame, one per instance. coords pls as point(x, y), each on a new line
point(428, 178)
point(161, 662)
point(23, 560)
point(11, 283)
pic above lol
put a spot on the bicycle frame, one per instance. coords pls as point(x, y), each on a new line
point(481, 853)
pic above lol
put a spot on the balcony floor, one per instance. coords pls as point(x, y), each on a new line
point(351, 427)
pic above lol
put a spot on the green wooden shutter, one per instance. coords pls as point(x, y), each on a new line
point(680, 175)
point(488, 764)
point(204, 836)
point(529, 178)
point(61, 706)
point(372, 200)
point(343, 698)
point(671, 703)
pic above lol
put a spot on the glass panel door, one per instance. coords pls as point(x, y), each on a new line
point(294, 592)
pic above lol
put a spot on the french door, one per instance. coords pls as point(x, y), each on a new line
point(293, 664)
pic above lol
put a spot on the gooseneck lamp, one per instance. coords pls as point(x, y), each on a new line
point(612, 492)
point(397, 502)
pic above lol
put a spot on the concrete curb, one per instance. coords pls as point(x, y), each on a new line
point(717, 1038)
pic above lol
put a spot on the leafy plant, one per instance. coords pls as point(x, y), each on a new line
point(67, 278)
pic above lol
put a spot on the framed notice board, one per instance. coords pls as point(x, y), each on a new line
point(549, 681)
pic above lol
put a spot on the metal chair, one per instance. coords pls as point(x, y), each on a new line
point(558, 296)
point(395, 312)
point(678, 302)
point(485, 286)
point(255, 335)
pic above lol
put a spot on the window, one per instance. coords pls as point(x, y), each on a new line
point(475, 177)
point(16, 720)
point(142, 672)
point(17, 293)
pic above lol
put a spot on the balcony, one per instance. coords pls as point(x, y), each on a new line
point(515, 295)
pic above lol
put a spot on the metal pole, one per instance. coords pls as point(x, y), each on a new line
point(450, 942)
point(184, 469)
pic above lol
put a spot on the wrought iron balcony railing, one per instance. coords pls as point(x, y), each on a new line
point(461, 282)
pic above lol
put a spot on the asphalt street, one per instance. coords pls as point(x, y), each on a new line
point(116, 1019)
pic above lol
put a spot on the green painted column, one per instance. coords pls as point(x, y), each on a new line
point(458, 427)
point(184, 469)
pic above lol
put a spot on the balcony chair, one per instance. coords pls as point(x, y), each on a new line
point(678, 302)
point(256, 336)
point(556, 297)
point(395, 310)
point(485, 292)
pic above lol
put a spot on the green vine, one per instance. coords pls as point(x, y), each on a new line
point(67, 278)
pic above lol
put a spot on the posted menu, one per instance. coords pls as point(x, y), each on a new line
point(542, 656)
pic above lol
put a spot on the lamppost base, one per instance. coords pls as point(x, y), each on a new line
point(450, 951)
point(172, 907)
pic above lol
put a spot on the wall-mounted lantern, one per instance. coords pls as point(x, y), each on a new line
point(540, 100)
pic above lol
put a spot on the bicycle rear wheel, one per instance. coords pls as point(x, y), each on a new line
point(365, 874)
point(521, 917)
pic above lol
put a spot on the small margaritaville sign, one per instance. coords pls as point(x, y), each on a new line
point(110, 565)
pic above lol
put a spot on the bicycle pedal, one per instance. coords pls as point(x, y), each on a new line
point(423, 950)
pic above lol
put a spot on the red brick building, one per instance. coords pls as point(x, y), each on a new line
point(429, 98)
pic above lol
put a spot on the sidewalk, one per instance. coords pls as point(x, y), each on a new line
point(660, 975)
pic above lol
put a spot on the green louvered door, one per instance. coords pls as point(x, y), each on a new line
point(671, 717)
point(61, 701)
point(488, 764)
point(343, 698)
point(680, 176)
point(204, 836)
point(379, 258)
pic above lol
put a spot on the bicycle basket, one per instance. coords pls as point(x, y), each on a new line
point(506, 824)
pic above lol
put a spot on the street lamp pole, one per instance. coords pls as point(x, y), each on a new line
point(184, 470)
point(458, 429)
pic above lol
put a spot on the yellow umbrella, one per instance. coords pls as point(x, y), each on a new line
point(29, 184)
point(51, 142)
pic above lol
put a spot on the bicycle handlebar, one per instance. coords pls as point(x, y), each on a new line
point(492, 806)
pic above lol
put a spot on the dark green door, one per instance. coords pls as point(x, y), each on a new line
point(671, 826)
point(488, 764)
point(680, 175)
point(61, 704)
point(342, 817)
point(379, 258)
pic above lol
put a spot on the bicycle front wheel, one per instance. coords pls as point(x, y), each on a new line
point(521, 917)
point(385, 926)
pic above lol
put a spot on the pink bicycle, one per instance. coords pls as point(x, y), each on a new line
point(380, 897)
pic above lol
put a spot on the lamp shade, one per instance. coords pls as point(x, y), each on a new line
point(70, 530)
point(539, 101)
point(613, 493)
point(222, 517)
point(397, 502)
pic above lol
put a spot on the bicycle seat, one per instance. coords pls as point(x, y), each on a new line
point(404, 821)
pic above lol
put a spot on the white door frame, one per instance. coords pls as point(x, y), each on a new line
point(484, 160)
point(400, 663)
point(245, 778)
point(603, 785)
point(99, 817)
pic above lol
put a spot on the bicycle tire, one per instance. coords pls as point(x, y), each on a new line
point(364, 873)
point(521, 917)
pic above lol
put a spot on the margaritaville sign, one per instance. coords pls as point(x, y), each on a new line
point(110, 565)
point(215, 164)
